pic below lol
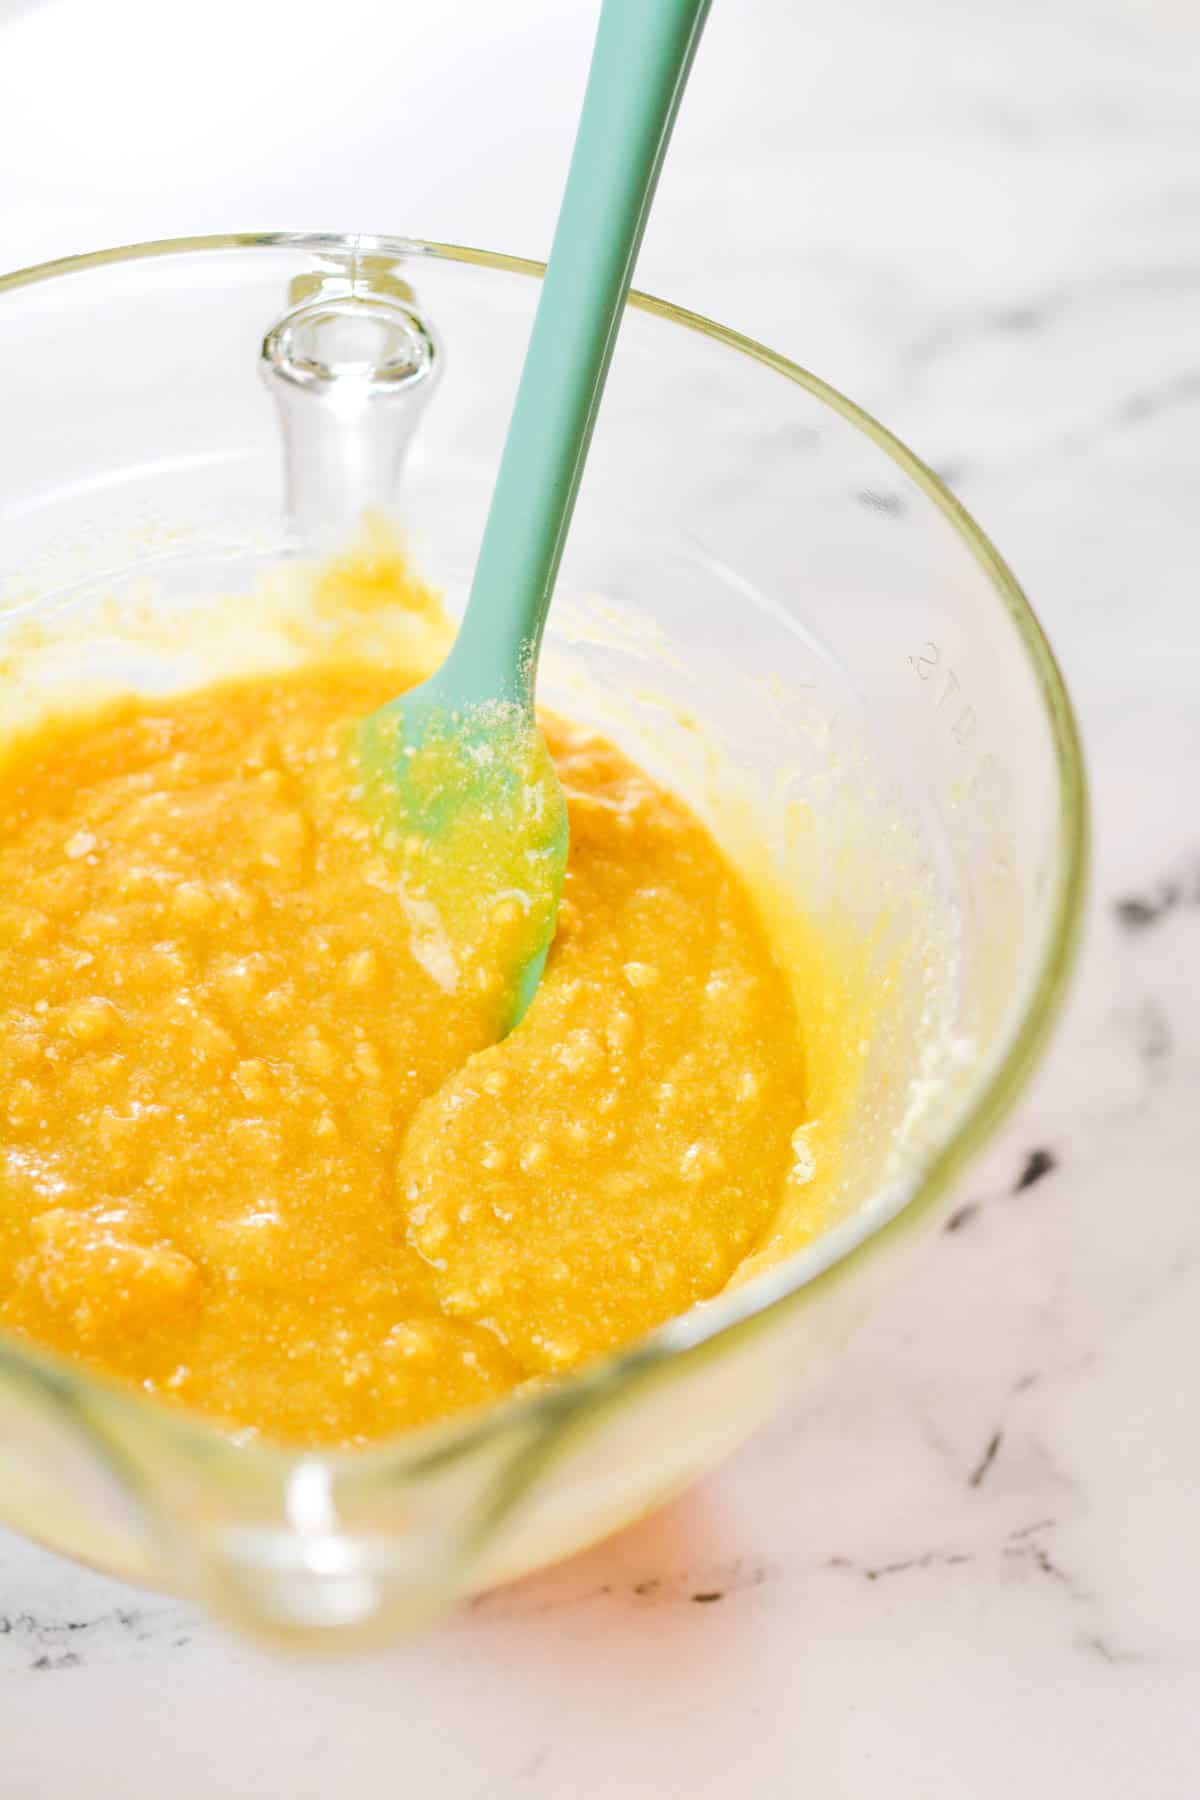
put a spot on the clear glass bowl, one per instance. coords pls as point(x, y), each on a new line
point(751, 550)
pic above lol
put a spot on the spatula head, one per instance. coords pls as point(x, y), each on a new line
point(467, 807)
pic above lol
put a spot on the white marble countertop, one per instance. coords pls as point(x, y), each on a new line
point(970, 1567)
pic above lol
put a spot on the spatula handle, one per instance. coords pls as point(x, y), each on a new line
point(640, 64)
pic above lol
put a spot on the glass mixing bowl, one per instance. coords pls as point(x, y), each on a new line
point(751, 552)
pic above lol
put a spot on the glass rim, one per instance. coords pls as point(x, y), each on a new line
point(94, 1402)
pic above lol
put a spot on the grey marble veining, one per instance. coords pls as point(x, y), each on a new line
point(969, 1565)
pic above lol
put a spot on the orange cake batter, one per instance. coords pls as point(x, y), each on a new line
point(259, 1161)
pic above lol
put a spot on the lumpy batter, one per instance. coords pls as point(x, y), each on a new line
point(259, 1161)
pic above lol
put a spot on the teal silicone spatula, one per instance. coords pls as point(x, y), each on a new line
point(456, 768)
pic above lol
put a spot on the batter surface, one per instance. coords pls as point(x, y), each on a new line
point(259, 1161)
